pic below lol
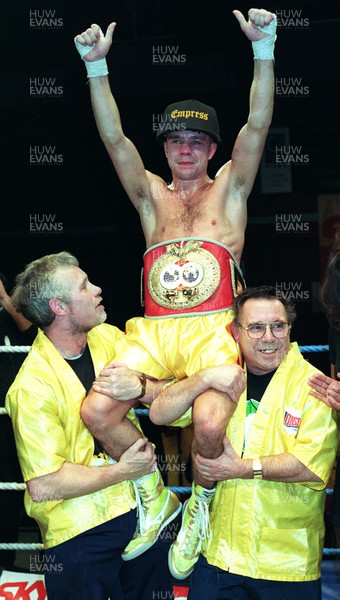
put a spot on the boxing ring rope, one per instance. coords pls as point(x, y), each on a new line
point(14, 349)
point(6, 486)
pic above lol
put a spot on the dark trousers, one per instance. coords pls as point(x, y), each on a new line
point(89, 566)
point(11, 502)
point(211, 583)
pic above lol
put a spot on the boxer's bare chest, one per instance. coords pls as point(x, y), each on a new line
point(186, 214)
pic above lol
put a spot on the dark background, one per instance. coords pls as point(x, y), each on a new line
point(82, 192)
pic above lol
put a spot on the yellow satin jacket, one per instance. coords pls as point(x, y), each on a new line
point(44, 404)
point(266, 529)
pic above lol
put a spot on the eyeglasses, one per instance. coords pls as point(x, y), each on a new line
point(257, 330)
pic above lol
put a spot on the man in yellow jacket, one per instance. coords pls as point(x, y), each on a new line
point(81, 499)
point(267, 516)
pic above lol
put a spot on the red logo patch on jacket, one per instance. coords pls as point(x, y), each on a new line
point(292, 420)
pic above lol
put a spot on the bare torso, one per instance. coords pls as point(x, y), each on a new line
point(192, 212)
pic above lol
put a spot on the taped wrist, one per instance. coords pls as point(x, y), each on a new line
point(264, 49)
point(96, 68)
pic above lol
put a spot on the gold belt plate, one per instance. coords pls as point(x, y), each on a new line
point(184, 276)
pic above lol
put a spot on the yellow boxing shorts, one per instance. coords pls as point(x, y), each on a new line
point(189, 288)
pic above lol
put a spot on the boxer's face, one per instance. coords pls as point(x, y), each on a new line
point(188, 153)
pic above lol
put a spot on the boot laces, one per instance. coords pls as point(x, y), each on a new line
point(198, 528)
point(142, 509)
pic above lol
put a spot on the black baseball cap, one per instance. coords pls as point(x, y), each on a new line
point(191, 115)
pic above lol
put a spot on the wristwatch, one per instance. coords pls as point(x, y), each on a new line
point(257, 468)
point(142, 379)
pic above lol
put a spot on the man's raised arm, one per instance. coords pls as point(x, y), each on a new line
point(260, 29)
point(93, 47)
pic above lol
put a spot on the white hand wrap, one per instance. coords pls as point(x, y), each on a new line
point(97, 68)
point(264, 49)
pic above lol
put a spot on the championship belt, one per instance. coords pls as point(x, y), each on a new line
point(189, 277)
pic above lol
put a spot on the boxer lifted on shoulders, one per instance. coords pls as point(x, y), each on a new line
point(194, 231)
